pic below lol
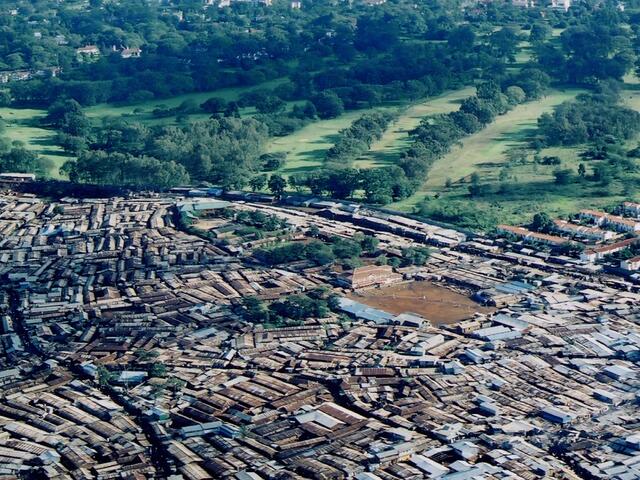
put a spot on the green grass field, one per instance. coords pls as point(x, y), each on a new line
point(141, 112)
point(19, 123)
point(530, 187)
point(484, 151)
point(396, 139)
point(306, 148)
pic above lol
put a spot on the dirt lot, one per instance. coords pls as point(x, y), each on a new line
point(438, 304)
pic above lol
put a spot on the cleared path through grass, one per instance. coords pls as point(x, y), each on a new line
point(19, 127)
point(487, 147)
point(307, 147)
point(396, 139)
point(141, 111)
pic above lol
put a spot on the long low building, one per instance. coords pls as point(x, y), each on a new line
point(530, 236)
point(621, 224)
point(598, 253)
point(631, 264)
point(583, 231)
point(631, 209)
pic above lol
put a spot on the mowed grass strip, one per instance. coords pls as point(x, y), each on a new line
point(395, 140)
point(306, 148)
point(141, 111)
point(485, 150)
point(20, 126)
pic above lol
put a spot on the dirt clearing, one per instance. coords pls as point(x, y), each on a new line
point(440, 305)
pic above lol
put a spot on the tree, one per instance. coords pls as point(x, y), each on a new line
point(232, 110)
point(258, 182)
point(158, 370)
point(174, 384)
point(603, 173)
point(105, 377)
point(369, 243)
point(5, 98)
point(582, 170)
point(313, 231)
point(273, 161)
point(277, 184)
point(504, 43)
point(328, 105)
point(415, 256)
point(515, 95)
point(488, 90)
point(572, 248)
point(462, 38)
point(344, 248)
point(541, 222)
point(214, 105)
point(270, 104)
point(254, 310)
point(539, 32)
point(319, 253)
point(482, 110)
point(563, 176)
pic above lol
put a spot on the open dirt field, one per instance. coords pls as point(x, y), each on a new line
point(440, 305)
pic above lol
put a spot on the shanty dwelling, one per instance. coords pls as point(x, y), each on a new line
point(631, 264)
point(600, 252)
point(369, 276)
point(632, 209)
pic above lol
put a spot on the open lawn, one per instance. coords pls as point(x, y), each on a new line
point(484, 151)
point(396, 139)
point(141, 111)
point(19, 123)
point(518, 191)
point(306, 148)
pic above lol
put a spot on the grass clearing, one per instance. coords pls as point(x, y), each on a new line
point(395, 140)
point(21, 123)
point(141, 112)
point(307, 147)
point(19, 126)
point(485, 151)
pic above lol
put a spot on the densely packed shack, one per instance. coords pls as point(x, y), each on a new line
point(120, 331)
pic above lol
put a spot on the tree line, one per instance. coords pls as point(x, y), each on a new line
point(358, 138)
point(589, 118)
point(220, 151)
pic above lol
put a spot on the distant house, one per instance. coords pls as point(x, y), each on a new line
point(563, 5)
point(296, 4)
point(631, 264)
point(364, 312)
point(131, 53)
point(201, 208)
point(616, 222)
point(88, 51)
point(529, 236)
point(17, 177)
point(631, 209)
point(370, 276)
point(598, 253)
point(556, 415)
point(523, 3)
